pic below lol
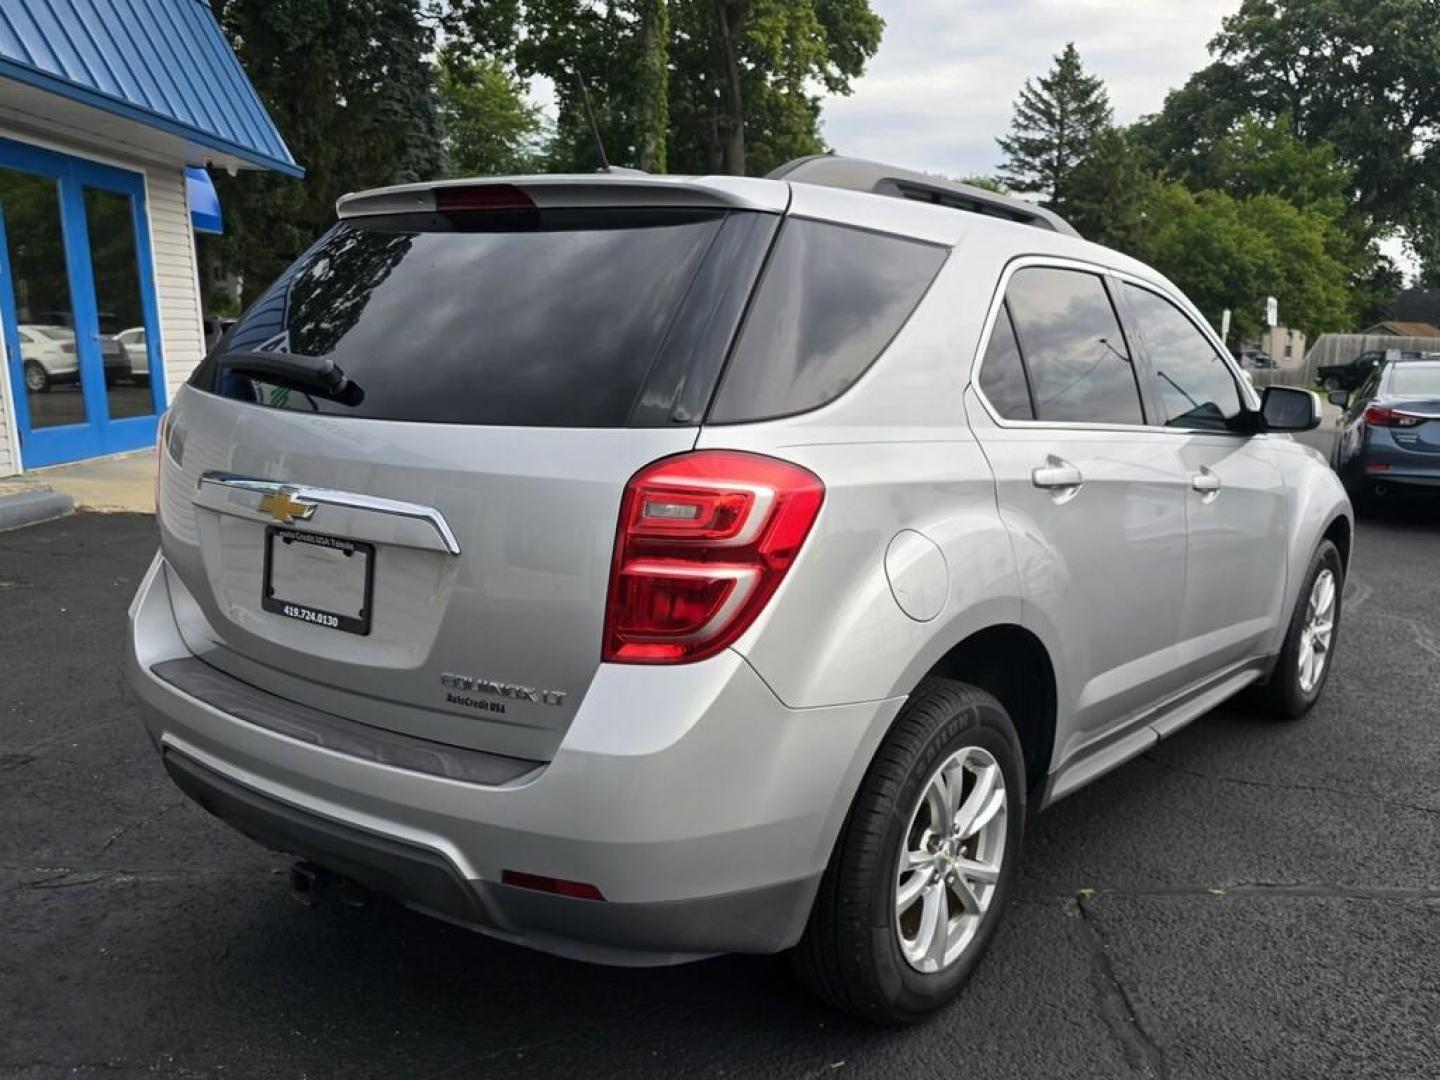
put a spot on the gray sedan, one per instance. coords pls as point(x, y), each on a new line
point(1389, 440)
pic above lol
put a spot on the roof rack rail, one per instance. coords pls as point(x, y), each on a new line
point(853, 174)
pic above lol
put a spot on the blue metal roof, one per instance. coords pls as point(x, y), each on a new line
point(164, 63)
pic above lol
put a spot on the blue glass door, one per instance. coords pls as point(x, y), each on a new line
point(77, 303)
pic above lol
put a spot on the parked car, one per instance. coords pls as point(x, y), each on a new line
point(643, 568)
point(137, 349)
point(1389, 441)
point(48, 357)
point(1350, 376)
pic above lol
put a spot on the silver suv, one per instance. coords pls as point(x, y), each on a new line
point(643, 568)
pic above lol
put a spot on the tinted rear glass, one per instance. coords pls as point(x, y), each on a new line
point(1413, 380)
point(831, 300)
point(1002, 375)
point(531, 318)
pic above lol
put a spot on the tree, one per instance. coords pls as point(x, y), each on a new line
point(1111, 191)
point(1057, 117)
point(1232, 253)
point(1357, 74)
point(489, 126)
point(739, 92)
point(351, 86)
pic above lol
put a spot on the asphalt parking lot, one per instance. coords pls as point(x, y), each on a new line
point(1252, 899)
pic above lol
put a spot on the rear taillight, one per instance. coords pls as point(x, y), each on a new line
point(704, 540)
point(1380, 416)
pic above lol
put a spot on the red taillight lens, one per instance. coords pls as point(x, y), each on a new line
point(483, 197)
point(704, 540)
point(1380, 416)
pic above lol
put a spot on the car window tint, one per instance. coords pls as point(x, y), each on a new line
point(831, 299)
point(1196, 387)
point(548, 317)
point(1002, 375)
point(1079, 364)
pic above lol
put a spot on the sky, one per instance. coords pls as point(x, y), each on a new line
point(944, 83)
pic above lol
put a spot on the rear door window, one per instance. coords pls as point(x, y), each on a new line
point(1196, 387)
point(1080, 366)
point(553, 317)
point(831, 300)
point(1002, 375)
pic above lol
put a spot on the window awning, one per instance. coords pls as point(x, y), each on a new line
point(204, 201)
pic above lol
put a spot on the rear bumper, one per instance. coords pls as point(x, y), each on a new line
point(702, 809)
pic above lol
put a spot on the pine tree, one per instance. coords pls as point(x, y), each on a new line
point(1057, 116)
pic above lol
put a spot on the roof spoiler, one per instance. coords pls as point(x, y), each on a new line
point(853, 174)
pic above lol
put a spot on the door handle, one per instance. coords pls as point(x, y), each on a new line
point(1205, 482)
point(1057, 474)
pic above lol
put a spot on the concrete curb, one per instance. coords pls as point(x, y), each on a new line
point(30, 507)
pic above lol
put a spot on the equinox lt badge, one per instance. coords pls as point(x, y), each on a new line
point(475, 685)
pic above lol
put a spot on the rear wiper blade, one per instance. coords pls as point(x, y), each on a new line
point(314, 374)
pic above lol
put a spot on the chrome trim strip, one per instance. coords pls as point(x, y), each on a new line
point(349, 500)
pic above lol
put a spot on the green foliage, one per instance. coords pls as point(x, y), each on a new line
point(1227, 252)
point(1057, 117)
point(489, 126)
point(350, 84)
point(688, 85)
point(1111, 192)
point(1359, 75)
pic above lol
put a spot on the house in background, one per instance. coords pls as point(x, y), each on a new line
point(1401, 329)
point(109, 116)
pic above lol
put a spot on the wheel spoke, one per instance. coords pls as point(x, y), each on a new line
point(969, 902)
point(911, 890)
point(976, 803)
point(935, 924)
point(935, 796)
point(979, 872)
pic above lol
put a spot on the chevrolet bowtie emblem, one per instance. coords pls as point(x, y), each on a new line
point(285, 508)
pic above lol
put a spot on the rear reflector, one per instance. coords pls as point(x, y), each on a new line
point(576, 890)
point(1377, 466)
point(703, 542)
point(483, 197)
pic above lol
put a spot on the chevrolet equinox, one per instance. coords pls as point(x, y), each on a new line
point(640, 568)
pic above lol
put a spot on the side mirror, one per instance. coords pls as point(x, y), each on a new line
point(1287, 408)
point(1341, 398)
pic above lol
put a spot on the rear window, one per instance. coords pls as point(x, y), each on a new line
point(531, 318)
point(831, 300)
point(1413, 381)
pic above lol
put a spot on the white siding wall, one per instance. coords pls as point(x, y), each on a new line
point(182, 336)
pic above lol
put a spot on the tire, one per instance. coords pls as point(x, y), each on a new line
point(1289, 695)
point(851, 954)
point(37, 379)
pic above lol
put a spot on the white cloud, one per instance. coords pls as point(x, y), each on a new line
point(943, 84)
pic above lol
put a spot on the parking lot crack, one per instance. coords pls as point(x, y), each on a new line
point(1116, 1007)
point(140, 823)
point(1281, 785)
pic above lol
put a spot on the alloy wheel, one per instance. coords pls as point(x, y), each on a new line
point(1318, 632)
point(949, 865)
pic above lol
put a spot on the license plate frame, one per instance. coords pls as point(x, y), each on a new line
point(313, 614)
